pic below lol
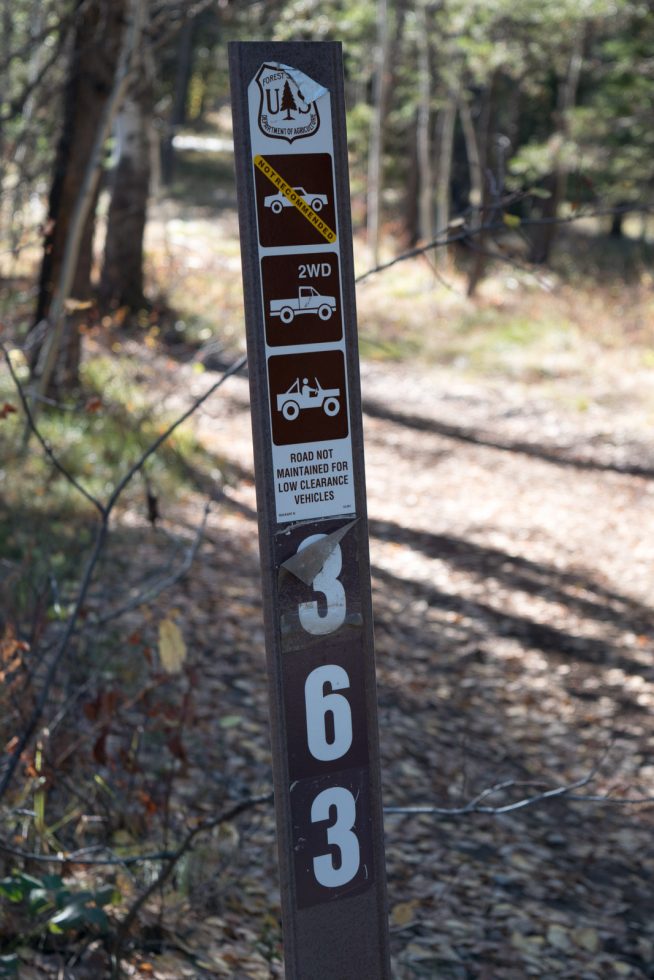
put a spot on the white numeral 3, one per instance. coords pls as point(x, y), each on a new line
point(339, 834)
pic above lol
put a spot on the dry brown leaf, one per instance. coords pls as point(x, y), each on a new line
point(403, 913)
point(587, 938)
point(520, 861)
point(72, 305)
point(557, 936)
point(172, 648)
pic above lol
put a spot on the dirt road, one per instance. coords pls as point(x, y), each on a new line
point(512, 549)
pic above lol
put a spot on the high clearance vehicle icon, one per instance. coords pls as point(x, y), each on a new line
point(276, 202)
point(303, 395)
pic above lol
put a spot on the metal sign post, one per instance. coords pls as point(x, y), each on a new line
point(298, 274)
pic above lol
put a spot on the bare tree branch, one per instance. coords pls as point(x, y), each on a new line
point(466, 234)
point(78, 857)
point(164, 874)
point(474, 806)
point(231, 370)
point(150, 593)
point(566, 791)
point(17, 103)
point(98, 546)
point(47, 448)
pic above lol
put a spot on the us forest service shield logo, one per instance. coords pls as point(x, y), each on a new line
point(284, 112)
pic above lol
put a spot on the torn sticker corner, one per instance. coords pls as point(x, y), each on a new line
point(311, 91)
point(307, 563)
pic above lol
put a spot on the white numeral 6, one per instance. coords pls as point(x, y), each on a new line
point(319, 705)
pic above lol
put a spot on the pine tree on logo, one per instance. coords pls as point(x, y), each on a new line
point(288, 102)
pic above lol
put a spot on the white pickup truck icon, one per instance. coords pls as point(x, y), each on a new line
point(303, 395)
point(308, 300)
point(276, 202)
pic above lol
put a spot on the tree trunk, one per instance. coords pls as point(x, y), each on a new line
point(475, 172)
point(91, 70)
point(375, 153)
point(384, 77)
point(478, 148)
point(447, 120)
point(65, 275)
point(617, 225)
point(544, 235)
point(122, 272)
point(177, 116)
point(412, 193)
point(6, 38)
point(423, 133)
point(90, 77)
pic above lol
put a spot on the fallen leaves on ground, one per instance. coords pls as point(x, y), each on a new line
point(511, 561)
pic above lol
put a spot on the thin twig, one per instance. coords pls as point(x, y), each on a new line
point(511, 260)
point(467, 233)
point(61, 651)
point(147, 595)
point(77, 857)
point(164, 874)
point(231, 370)
point(567, 791)
point(473, 806)
point(98, 546)
point(45, 445)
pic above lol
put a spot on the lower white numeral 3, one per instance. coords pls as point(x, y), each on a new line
point(339, 834)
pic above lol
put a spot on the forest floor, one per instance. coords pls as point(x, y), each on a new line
point(512, 553)
point(510, 492)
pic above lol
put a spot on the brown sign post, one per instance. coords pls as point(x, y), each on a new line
point(298, 275)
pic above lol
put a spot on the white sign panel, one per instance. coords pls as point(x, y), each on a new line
point(299, 253)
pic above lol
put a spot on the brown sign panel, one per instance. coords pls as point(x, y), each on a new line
point(301, 298)
point(308, 397)
point(331, 837)
point(324, 699)
point(295, 596)
point(280, 221)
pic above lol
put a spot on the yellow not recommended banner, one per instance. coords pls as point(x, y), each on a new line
point(294, 198)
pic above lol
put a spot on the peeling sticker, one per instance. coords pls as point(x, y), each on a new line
point(307, 563)
point(287, 107)
point(312, 90)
